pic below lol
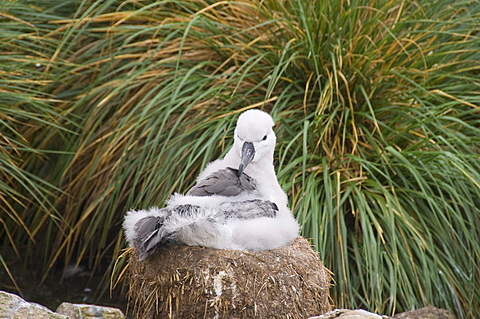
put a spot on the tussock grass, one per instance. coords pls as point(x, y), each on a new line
point(111, 105)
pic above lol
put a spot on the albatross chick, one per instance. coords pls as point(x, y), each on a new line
point(237, 202)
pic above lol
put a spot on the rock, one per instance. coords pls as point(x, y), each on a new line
point(197, 282)
point(82, 311)
point(349, 314)
point(14, 307)
point(428, 312)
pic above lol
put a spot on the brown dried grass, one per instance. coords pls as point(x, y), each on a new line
point(197, 282)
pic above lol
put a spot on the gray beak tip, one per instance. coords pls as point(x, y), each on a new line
point(240, 170)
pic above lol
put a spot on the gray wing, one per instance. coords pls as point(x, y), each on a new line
point(248, 209)
point(149, 232)
point(223, 182)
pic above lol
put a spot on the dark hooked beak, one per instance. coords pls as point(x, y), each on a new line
point(248, 153)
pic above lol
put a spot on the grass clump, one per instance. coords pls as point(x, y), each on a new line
point(378, 129)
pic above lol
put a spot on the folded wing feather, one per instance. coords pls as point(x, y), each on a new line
point(224, 182)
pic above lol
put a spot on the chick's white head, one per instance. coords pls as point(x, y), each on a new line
point(254, 137)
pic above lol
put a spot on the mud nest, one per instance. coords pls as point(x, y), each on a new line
point(198, 282)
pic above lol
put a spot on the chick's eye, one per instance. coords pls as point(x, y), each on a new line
point(264, 138)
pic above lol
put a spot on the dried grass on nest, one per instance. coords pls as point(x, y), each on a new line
point(198, 282)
